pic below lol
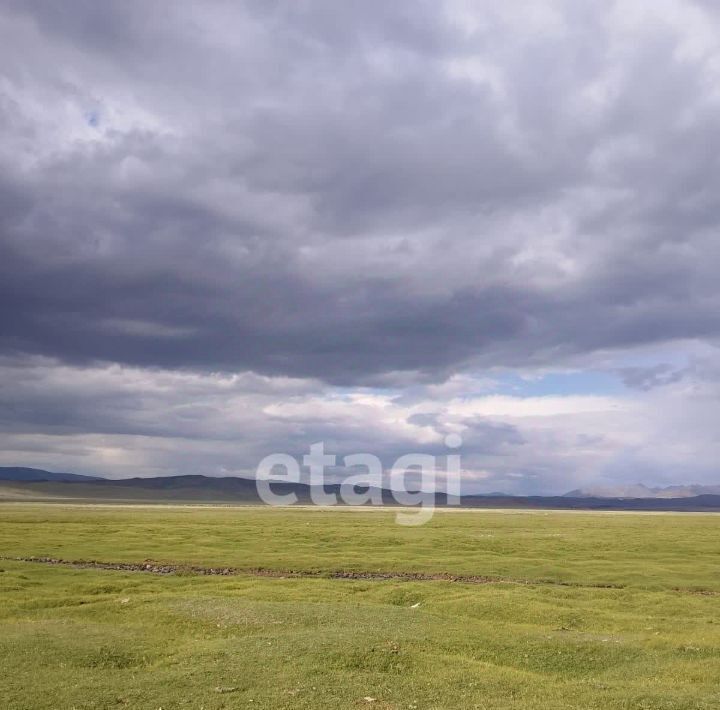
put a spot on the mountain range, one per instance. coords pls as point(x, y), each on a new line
point(30, 484)
point(639, 490)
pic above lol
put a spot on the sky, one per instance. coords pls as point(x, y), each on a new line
point(230, 229)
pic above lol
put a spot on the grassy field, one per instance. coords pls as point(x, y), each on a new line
point(588, 610)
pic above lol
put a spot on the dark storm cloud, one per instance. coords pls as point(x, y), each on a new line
point(344, 191)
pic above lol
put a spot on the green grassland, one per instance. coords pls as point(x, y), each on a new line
point(588, 610)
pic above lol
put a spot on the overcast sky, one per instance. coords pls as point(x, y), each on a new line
point(229, 229)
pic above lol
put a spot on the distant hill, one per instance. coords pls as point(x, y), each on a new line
point(638, 490)
point(39, 485)
point(694, 503)
point(17, 473)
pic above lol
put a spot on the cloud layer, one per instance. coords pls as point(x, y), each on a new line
point(239, 227)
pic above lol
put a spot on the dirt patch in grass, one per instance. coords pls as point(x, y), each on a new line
point(153, 567)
